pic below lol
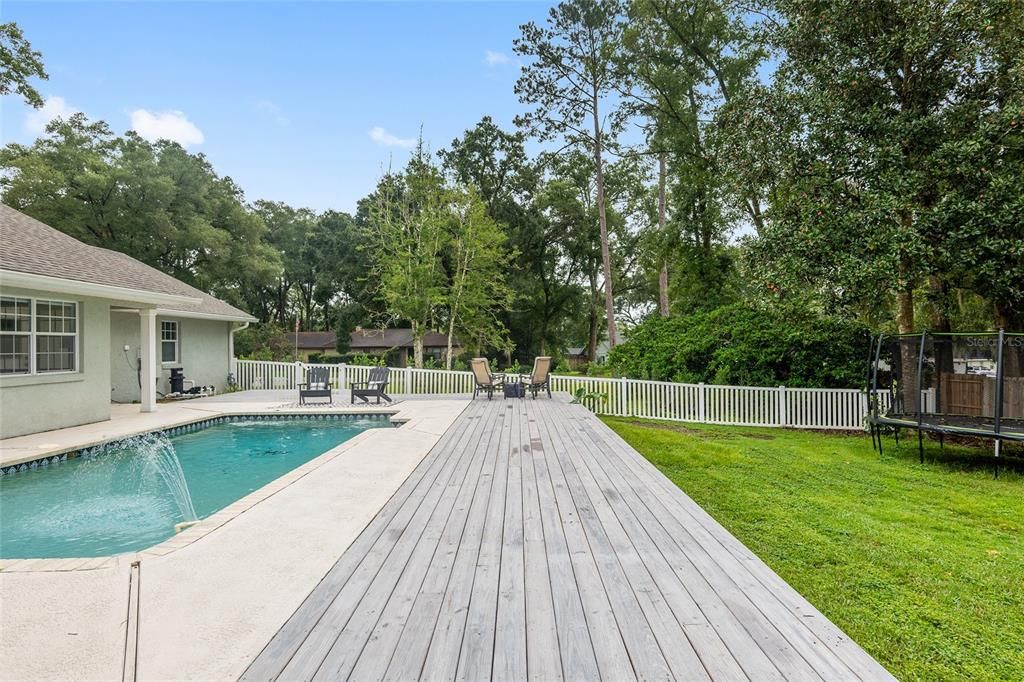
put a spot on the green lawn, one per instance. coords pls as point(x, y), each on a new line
point(922, 565)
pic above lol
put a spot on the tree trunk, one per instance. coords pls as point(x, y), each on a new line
point(417, 345)
point(606, 259)
point(908, 346)
point(593, 320)
point(939, 301)
point(1013, 347)
point(663, 275)
point(451, 333)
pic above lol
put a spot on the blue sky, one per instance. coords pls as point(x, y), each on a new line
point(283, 97)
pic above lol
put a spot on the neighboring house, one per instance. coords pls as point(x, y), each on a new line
point(313, 343)
point(399, 341)
point(577, 357)
point(81, 326)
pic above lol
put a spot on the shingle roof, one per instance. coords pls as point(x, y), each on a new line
point(314, 340)
point(33, 247)
point(395, 338)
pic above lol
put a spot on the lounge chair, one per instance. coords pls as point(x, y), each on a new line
point(540, 378)
point(375, 386)
point(318, 385)
point(485, 382)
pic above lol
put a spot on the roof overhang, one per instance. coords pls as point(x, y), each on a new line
point(59, 285)
point(171, 312)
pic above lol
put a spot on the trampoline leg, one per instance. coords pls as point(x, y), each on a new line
point(879, 442)
point(920, 444)
point(942, 440)
point(999, 448)
point(897, 432)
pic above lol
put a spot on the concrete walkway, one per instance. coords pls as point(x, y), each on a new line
point(206, 601)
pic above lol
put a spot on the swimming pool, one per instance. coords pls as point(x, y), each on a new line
point(122, 497)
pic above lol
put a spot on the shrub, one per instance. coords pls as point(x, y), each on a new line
point(742, 345)
point(367, 360)
point(263, 341)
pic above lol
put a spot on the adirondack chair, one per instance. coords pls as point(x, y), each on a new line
point(484, 381)
point(540, 377)
point(317, 385)
point(374, 387)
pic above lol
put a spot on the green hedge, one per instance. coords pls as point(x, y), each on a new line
point(746, 346)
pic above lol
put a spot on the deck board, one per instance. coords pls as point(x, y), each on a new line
point(532, 542)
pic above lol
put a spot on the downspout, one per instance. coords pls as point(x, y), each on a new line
point(232, 361)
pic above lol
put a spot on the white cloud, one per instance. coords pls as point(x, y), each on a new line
point(495, 58)
point(381, 136)
point(271, 111)
point(54, 107)
point(166, 125)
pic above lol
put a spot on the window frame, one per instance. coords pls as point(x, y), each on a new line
point(176, 341)
point(34, 334)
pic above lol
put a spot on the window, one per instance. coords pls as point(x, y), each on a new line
point(168, 341)
point(38, 336)
point(15, 335)
point(56, 336)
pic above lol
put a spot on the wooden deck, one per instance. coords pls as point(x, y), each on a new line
point(533, 543)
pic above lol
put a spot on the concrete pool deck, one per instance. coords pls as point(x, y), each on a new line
point(207, 600)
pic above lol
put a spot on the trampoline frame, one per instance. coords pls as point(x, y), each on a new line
point(994, 427)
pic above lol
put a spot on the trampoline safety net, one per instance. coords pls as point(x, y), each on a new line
point(969, 383)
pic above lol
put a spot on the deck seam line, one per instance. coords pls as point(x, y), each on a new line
point(600, 574)
point(390, 551)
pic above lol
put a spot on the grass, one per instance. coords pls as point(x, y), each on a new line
point(923, 565)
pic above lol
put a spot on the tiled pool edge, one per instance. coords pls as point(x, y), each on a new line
point(186, 427)
point(62, 454)
point(205, 526)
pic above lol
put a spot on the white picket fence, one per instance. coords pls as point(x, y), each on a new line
point(801, 408)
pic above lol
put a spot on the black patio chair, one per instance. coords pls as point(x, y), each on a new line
point(375, 386)
point(317, 385)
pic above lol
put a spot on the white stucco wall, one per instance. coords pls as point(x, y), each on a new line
point(203, 350)
point(33, 403)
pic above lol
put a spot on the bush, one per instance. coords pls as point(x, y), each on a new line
point(263, 341)
point(743, 345)
point(327, 359)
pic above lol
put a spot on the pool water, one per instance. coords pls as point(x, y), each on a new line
point(115, 500)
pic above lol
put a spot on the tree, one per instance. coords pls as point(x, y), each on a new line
point(572, 79)
point(153, 201)
point(407, 226)
point(887, 110)
point(476, 291)
point(510, 184)
point(19, 63)
point(688, 61)
point(289, 231)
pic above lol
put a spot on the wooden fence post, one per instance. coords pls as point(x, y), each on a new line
point(783, 408)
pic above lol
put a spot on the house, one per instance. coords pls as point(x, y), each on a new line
point(82, 326)
point(313, 343)
point(399, 341)
point(577, 356)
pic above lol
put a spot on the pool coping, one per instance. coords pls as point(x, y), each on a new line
point(207, 413)
point(219, 518)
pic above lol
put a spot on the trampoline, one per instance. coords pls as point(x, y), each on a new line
point(968, 384)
